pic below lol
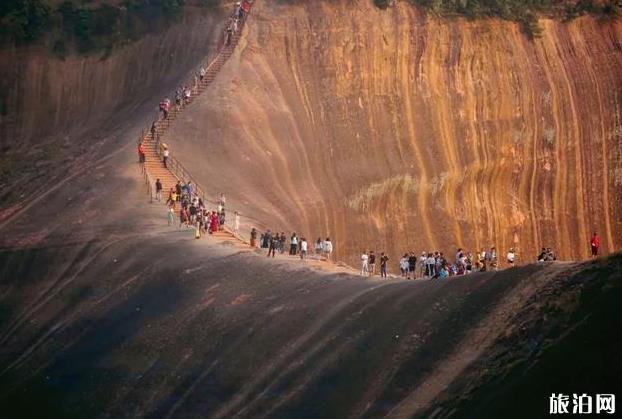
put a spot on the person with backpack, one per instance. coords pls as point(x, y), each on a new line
point(274, 242)
point(318, 247)
point(384, 259)
point(412, 263)
point(178, 190)
point(372, 263)
point(595, 245)
point(265, 239)
point(158, 187)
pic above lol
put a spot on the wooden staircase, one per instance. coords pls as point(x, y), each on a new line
point(153, 167)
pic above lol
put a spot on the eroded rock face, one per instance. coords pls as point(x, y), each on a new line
point(392, 131)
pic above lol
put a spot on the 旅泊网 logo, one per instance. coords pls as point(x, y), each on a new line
point(582, 404)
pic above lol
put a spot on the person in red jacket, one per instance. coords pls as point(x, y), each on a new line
point(141, 152)
point(595, 245)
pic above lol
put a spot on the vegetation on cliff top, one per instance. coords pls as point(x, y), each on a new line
point(85, 25)
point(523, 11)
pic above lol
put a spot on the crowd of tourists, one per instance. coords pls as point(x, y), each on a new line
point(298, 245)
point(193, 212)
point(436, 264)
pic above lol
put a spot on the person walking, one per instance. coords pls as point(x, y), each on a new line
point(274, 242)
point(236, 223)
point(318, 247)
point(253, 237)
point(282, 241)
point(595, 245)
point(404, 265)
point(372, 263)
point(197, 228)
point(303, 248)
point(178, 190)
point(158, 187)
point(491, 259)
point(141, 152)
point(482, 260)
point(384, 259)
point(364, 264)
point(165, 107)
point(327, 247)
point(429, 265)
point(412, 263)
point(165, 154)
point(214, 222)
point(293, 245)
point(183, 217)
point(171, 214)
point(229, 34)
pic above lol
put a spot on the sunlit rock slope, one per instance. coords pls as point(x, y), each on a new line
point(395, 131)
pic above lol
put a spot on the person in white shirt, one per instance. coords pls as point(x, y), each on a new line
point(404, 265)
point(327, 247)
point(165, 154)
point(236, 223)
point(422, 261)
point(430, 262)
point(364, 264)
point(293, 245)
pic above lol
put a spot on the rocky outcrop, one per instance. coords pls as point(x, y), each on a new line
point(395, 131)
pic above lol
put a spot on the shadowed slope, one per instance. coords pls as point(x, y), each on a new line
point(127, 318)
point(161, 325)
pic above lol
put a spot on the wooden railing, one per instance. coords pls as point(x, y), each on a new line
point(173, 164)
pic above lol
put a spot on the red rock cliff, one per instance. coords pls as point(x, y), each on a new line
point(390, 130)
